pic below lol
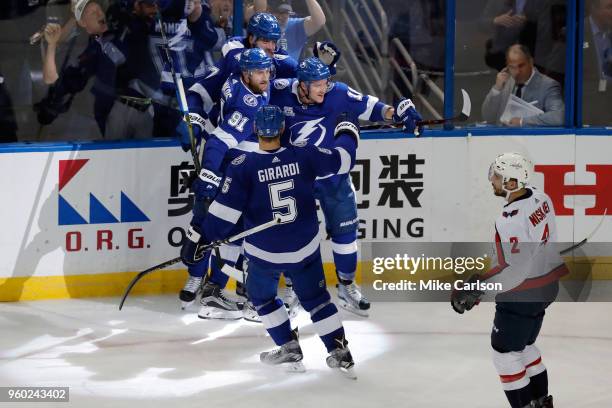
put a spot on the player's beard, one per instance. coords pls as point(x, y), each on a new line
point(498, 192)
point(258, 87)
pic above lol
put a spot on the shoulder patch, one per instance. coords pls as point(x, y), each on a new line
point(324, 150)
point(281, 83)
point(239, 160)
point(250, 100)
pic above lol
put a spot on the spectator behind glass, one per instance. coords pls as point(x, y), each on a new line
point(521, 79)
point(295, 31)
point(8, 124)
point(597, 74)
point(509, 22)
point(94, 61)
point(222, 13)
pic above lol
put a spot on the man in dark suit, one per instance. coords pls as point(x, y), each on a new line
point(597, 72)
point(522, 79)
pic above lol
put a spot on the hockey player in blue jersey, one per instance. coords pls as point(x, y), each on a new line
point(310, 103)
point(243, 94)
point(276, 181)
point(263, 32)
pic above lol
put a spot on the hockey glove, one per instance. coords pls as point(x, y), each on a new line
point(328, 53)
point(198, 125)
point(406, 113)
point(462, 300)
point(347, 125)
point(205, 186)
point(191, 251)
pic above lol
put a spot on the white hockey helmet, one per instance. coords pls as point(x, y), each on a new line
point(511, 166)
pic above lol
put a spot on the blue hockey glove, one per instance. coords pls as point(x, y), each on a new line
point(406, 113)
point(198, 124)
point(191, 252)
point(328, 53)
point(182, 133)
point(462, 300)
point(205, 186)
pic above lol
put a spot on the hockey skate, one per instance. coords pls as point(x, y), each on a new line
point(216, 305)
point(190, 291)
point(291, 301)
point(241, 290)
point(544, 402)
point(249, 313)
point(351, 299)
point(342, 359)
point(289, 355)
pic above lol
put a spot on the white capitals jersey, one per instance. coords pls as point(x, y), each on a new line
point(525, 237)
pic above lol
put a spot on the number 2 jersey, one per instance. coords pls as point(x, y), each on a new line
point(260, 186)
point(525, 239)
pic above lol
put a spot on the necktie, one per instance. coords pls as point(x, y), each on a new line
point(519, 90)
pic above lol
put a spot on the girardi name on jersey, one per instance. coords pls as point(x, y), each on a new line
point(539, 214)
point(278, 172)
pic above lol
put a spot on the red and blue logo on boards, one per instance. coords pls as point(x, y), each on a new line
point(98, 213)
point(77, 197)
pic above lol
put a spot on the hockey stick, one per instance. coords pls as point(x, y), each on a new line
point(201, 250)
point(466, 110)
point(584, 241)
point(180, 95)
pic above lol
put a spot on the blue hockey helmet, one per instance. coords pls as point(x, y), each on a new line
point(269, 121)
point(312, 69)
point(264, 25)
point(254, 58)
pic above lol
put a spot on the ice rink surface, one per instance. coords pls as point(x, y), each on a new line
point(152, 354)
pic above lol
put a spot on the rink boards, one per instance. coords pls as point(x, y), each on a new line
point(81, 219)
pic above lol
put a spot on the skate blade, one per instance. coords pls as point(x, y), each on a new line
point(297, 367)
point(217, 314)
point(185, 305)
point(348, 372)
point(349, 308)
point(250, 318)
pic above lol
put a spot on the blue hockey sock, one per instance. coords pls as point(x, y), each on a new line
point(276, 321)
point(344, 248)
point(199, 270)
point(325, 319)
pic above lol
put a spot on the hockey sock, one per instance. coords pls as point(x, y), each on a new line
point(229, 255)
point(200, 269)
point(344, 247)
point(538, 376)
point(325, 319)
point(513, 376)
point(275, 319)
point(216, 276)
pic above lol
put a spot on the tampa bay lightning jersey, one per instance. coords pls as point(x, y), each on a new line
point(206, 90)
point(260, 186)
point(314, 124)
point(235, 131)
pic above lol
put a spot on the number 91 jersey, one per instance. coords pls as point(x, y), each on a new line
point(235, 132)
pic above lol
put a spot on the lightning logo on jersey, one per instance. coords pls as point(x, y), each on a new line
point(301, 132)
